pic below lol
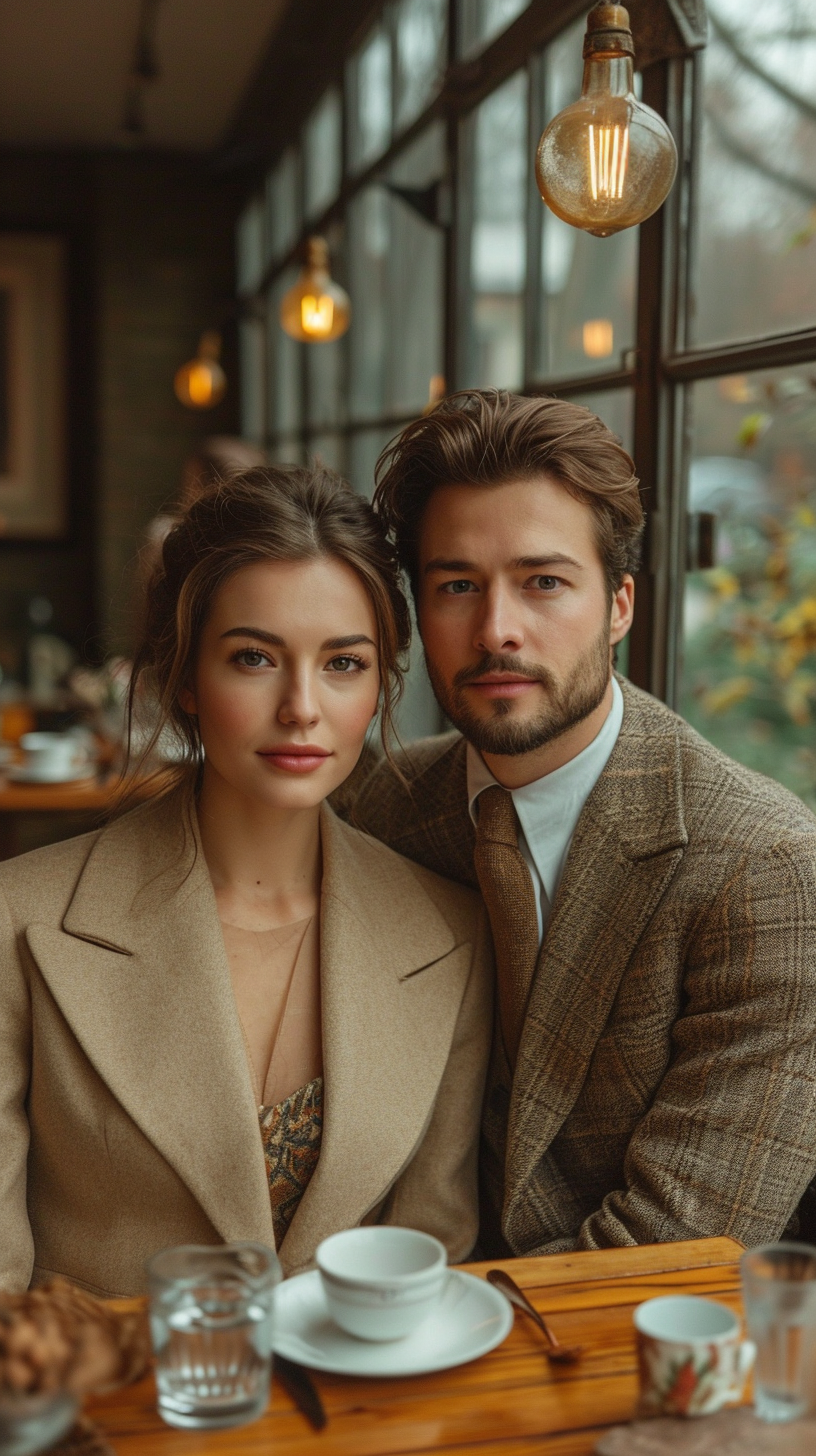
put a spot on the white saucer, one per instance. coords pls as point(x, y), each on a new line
point(471, 1318)
point(19, 774)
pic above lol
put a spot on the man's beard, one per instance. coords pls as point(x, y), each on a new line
point(568, 703)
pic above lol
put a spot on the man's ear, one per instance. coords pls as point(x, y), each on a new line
point(623, 610)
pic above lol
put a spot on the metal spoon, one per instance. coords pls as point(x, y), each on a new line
point(561, 1354)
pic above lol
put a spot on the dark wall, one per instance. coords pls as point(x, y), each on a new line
point(150, 265)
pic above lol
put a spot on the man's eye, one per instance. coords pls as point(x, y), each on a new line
point(457, 588)
point(546, 583)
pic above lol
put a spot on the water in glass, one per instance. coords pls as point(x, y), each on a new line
point(211, 1315)
point(779, 1283)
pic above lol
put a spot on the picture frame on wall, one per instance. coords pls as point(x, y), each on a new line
point(33, 464)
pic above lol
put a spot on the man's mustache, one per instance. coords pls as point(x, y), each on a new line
point(496, 663)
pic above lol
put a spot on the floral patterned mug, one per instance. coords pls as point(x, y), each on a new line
point(691, 1355)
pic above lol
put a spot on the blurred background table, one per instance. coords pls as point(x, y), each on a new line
point(510, 1403)
point(35, 814)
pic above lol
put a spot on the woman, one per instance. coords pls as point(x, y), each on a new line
point(228, 1015)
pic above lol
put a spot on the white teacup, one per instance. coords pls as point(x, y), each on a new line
point(691, 1355)
point(382, 1282)
point(51, 756)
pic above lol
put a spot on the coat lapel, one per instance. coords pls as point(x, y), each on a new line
point(392, 982)
point(140, 973)
point(626, 848)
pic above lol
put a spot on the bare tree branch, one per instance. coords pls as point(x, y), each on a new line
point(743, 153)
point(731, 39)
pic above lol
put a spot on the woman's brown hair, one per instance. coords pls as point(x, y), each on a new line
point(275, 513)
point(489, 437)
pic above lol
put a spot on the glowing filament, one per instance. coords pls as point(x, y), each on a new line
point(608, 159)
point(316, 314)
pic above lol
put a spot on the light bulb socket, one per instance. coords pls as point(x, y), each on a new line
point(317, 254)
point(608, 33)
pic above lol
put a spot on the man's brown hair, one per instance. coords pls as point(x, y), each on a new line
point(489, 437)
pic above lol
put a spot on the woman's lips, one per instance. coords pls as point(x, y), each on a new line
point(294, 758)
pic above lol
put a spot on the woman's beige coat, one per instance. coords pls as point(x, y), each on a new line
point(127, 1117)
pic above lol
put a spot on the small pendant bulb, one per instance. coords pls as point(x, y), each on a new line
point(315, 309)
point(607, 161)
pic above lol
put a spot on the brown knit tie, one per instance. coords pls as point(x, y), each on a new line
point(507, 888)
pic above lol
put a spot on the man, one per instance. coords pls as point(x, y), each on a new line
point(653, 903)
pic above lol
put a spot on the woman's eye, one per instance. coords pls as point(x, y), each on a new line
point(346, 664)
point(457, 588)
point(251, 657)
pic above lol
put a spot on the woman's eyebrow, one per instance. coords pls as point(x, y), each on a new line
point(335, 644)
point(270, 637)
point(332, 644)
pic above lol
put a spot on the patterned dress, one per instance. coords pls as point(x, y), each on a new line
point(291, 1133)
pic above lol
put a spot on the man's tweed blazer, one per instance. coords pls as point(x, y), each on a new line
point(666, 1080)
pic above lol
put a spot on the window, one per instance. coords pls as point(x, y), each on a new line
point(283, 205)
point(481, 20)
point(421, 28)
point(749, 669)
point(323, 154)
point(694, 338)
point(249, 247)
point(369, 96)
point(495, 143)
point(757, 203)
point(585, 322)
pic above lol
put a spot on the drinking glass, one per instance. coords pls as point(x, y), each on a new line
point(211, 1326)
point(779, 1286)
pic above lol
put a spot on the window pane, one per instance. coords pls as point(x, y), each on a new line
point(421, 33)
point(370, 100)
point(253, 382)
point(369, 234)
point(481, 20)
point(323, 154)
point(325, 376)
point(283, 205)
point(365, 448)
point(287, 452)
point(284, 355)
point(616, 407)
point(396, 272)
point(249, 247)
point(327, 450)
point(416, 274)
point(757, 210)
point(496, 142)
point(749, 677)
point(588, 285)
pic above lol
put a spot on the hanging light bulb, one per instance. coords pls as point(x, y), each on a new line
point(201, 383)
point(316, 308)
point(607, 161)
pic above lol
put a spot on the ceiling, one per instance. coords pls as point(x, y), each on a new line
point(64, 68)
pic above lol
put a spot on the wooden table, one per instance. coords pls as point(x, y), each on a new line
point(510, 1403)
point(55, 811)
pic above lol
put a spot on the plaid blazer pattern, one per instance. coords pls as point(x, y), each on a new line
point(666, 1081)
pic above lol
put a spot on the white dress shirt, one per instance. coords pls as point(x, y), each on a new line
point(549, 808)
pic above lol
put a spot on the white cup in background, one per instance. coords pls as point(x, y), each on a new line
point(381, 1282)
point(50, 757)
point(692, 1357)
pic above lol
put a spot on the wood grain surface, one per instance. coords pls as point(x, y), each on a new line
point(511, 1402)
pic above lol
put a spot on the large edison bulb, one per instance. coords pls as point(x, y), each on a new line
point(315, 309)
point(607, 161)
point(202, 383)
